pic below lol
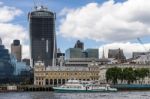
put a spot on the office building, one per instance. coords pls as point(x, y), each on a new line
point(6, 66)
point(117, 54)
point(84, 62)
point(92, 53)
point(73, 53)
point(79, 44)
point(138, 54)
point(42, 35)
point(27, 61)
point(16, 50)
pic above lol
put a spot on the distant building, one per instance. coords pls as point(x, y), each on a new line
point(79, 44)
point(92, 53)
point(117, 54)
point(6, 66)
point(42, 36)
point(73, 53)
point(60, 58)
point(138, 54)
point(142, 59)
point(19, 66)
point(16, 50)
point(84, 62)
point(54, 75)
point(27, 61)
point(59, 53)
point(79, 53)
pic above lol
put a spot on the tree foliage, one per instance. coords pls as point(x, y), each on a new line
point(126, 74)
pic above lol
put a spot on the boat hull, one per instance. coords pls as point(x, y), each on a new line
point(80, 91)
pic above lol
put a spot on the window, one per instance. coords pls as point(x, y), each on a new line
point(51, 81)
point(47, 82)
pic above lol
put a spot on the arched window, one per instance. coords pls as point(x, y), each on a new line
point(63, 81)
point(59, 81)
point(51, 81)
point(46, 82)
point(55, 81)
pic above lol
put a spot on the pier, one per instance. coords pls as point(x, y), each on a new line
point(23, 88)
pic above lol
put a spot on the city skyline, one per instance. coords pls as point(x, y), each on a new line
point(103, 34)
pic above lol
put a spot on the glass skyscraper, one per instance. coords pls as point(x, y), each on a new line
point(92, 53)
point(79, 44)
point(42, 35)
point(73, 53)
point(6, 67)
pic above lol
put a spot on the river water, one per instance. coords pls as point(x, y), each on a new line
point(52, 95)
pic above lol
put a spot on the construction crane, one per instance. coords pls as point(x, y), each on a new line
point(140, 41)
point(147, 51)
point(37, 2)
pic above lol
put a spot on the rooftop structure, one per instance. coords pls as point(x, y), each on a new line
point(79, 44)
point(84, 61)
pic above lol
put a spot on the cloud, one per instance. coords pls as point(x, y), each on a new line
point(10, 31)
point(127, 47)
point(110, 21)
point(8, 13)
point(26, 51)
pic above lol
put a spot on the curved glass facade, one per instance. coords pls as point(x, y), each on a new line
point(6, 67)
point(42, 36)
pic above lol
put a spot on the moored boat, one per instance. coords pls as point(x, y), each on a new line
point(82, 86)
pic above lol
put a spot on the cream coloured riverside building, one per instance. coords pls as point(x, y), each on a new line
point(57, 75)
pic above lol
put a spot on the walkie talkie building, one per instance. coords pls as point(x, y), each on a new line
point(42, 35)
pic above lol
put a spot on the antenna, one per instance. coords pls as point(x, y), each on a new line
point(34, 2)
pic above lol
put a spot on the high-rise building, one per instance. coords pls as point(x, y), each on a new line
point(79, 44)
point(42, 36)
point(6, 66)
point(116, 54)
point(92, 53)
point(16, 50)
point(73, 53)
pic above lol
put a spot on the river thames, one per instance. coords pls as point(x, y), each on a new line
point(52, 95)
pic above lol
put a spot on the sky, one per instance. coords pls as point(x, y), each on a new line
point(102, 24)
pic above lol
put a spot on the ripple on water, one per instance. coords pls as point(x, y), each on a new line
point(52, 95)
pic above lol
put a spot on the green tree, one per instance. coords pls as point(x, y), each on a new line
point(113, 74)
point(144, 72)
point(137, 74)
point(128, 75)
point(120, 75)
